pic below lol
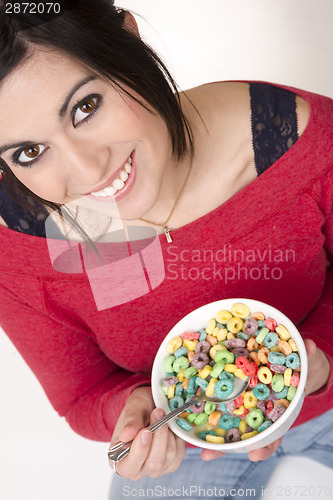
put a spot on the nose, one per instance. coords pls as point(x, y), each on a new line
point(86, 163)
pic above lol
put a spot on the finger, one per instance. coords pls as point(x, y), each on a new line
point(175, 452)
point(266, 452)
point(130, 467)
point(180, 447)
point(156, 414)
point(262, 454)
point(156, 459)
point(310, 347)
point(130, 431)
point(211, 454)
point(133, 422)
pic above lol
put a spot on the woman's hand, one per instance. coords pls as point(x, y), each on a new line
point(319, 368)
point(151, 454)
point(318, 373)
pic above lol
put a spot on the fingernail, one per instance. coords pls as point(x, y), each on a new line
point(159, 413)
point(145, 437)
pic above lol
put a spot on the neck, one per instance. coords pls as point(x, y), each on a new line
point(177, 178)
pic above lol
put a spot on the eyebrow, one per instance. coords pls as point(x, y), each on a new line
point(62, 112)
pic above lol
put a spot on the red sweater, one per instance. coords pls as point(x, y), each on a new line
point(272, 241)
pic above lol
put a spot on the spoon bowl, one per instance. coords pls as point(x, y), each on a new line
point(240, 385)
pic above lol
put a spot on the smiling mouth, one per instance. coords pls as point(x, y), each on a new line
point(118, 183)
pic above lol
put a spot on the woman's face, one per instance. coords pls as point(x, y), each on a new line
point(62, 158)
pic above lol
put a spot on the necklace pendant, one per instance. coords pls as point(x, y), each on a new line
point(167, 234)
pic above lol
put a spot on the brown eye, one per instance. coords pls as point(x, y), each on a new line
point(87, 106)
point(32, 151)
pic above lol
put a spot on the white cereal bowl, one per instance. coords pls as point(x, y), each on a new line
point(198, 319)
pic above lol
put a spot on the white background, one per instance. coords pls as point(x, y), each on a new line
point(282, 41)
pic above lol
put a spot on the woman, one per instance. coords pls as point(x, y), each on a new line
point(202, 170)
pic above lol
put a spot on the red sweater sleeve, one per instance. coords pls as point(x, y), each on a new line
point(82, 384)
point(318, 325)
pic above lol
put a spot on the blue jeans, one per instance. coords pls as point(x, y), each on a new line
point(228, 477)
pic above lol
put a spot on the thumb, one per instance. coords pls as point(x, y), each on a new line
point(130, 430)
point(135, 417)
point(310, 347)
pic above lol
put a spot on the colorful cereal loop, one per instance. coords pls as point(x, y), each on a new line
point(248, 435)
point(222, 334)
point(250, 401)
point(293, 361)
point(214, 439)
point(261, 391)
point(223, 316)
point(255, 418)
point(211, 386)
point(282, 332)
point(265, 375)
point(214, 349)
point(259, 316)
point(262, 334)
point(285, 347)
point(167, 363)
point(262, 355)
point(226, 357)
point(190, 344)
point(210, 326)
point(293, 345)
point(205, 371)
point(191, 335)
point(214, 418)
point(235, 324)
point(174, 344)
point(240, 310)
point(223, 388)
point(184, 424)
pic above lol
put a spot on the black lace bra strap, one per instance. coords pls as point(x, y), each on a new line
point(274, 123)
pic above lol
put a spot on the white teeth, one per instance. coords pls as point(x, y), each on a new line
point(110, 191)
point(118, 184)
point(100, 193)
point(123, 175)
point(128, 168)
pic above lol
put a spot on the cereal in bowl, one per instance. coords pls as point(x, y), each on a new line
point(235, 343)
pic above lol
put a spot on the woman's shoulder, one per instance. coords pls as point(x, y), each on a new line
point(2, 222)
point(232, 99)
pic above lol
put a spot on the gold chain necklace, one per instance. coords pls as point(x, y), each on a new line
point(164, 225)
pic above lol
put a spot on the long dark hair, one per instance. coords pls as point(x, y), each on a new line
point(92, 31)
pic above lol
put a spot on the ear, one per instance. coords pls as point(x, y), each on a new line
point(131, 24)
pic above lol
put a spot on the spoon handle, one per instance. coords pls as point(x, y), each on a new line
point(120, 450)
point(156, 425)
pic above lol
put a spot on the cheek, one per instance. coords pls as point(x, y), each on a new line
point(47, 187)
point(129, 121)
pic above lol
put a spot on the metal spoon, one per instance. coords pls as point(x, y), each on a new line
point(120, 450)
